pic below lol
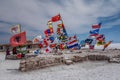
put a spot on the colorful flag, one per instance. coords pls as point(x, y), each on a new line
point(93, 35)
point(61, 33)
point(41, 45)
point(62, 37)
point(96, 26)
point(50, 26)
point(35, 40)
point(61, 26)
point(72, 45)
point(49, 23)
point(58, 31)
point(53, 45)
point(82, 43)
point(36, 52)
point(51, 30)
point(100, 43)
point(18, 39)
point(45, 42)
point(96, 31)
point(62, 46)
point(72, 42)
point(51, 38)
point(48, 32)
point(88, 41)
point(15, 29)
point(100, 38)
point(56, 18)
point(73, 37)
point(48, 40)
point(38, 39)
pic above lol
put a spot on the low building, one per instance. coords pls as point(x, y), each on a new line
point(29, 45)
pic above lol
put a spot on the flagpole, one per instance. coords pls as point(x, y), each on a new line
point(61, 19)
point(20, 32)
point(63, 23)
point(64, 28)
point(20, 27)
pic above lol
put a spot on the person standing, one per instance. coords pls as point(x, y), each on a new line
point(7, 52)
point(14, 51)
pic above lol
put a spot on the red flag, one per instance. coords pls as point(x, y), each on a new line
point(62, 46)
point(56, 18)
point(94, 35)
point(19, 56)
point(73, 37)
point(18, 39)
point(45, 42)
point(96, 26)
point(100, 37)
point(41, 45)
point(73, 41)
point(48, 32)
point(52, 45)
point(48, 49)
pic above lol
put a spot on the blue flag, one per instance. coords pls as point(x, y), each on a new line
point(96, 31)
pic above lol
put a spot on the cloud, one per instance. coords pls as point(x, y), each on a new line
point(78, 16)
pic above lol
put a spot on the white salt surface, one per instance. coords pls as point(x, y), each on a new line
point(80, 71)
point(111, 46)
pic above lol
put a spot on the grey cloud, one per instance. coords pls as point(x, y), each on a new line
point(78, 15)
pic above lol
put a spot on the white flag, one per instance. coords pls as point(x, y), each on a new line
point(15, 29)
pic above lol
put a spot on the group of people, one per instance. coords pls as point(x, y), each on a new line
point(14, 52)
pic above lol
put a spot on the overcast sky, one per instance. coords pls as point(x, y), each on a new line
point(78, 16)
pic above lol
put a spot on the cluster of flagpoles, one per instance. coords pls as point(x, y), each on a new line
point(95, 38)
point(61, 40)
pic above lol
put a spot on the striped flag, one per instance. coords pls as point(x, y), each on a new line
point(93, 35)
point(96, 26)
point(72, 42)
point(100, 37)
point(48, 32)
point(61, 26)
point(88, 41)
point(96, 31)
point(49, 24)
point(72, 45)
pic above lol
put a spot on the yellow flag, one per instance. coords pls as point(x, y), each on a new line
point(49, 24)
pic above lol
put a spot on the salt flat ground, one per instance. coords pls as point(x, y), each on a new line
point(89, 70)
point(96, 70)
